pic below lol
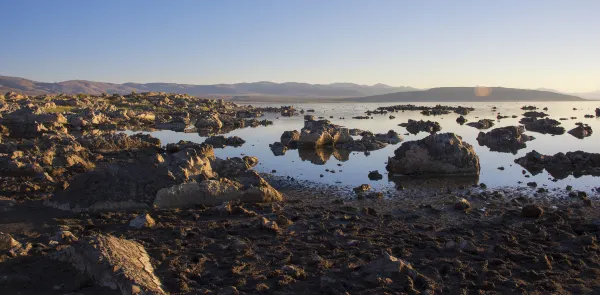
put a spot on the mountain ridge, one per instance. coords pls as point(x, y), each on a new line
point(468, 94)
point(261, 88)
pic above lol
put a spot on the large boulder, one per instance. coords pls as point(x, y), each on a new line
point(208, 193)
point(248, 187)
point(323, 133)
point(113, 262)
point(128, 186)
point(504, 139)
point(231, 167)
point(435, 154)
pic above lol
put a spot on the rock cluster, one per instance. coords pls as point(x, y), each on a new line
point(562, 165)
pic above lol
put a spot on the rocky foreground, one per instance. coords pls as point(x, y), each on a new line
point(86, 210)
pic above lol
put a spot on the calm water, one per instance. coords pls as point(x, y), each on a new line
point(307, 165)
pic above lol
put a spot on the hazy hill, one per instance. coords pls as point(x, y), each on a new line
point(290, 89)
point(467, 94)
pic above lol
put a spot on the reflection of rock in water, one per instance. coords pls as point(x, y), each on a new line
point(317, 156)
point(320, 156)
point(341, 155)
point(433, 181)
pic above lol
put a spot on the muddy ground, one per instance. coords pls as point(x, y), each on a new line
point(324, 243)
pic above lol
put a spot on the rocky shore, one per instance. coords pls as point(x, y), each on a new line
point(88, 210)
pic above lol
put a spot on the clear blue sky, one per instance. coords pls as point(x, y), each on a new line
point(525, 43)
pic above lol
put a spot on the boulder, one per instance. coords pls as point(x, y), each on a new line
point(248, 187)
point(142, 221)
point(210, 121)
point(278, 148)
point(323, 133)
point(482, 124)
point(290, 138)
point(444, 153)
point(128, 186)
point(113, 262)
point(391, 137)
point(231, 167)
point(581, 131)
point(461, 120)
point(222, 141)
point(118, 142)
point(415, 127)
point(504, 139)
point(544, 126)
point(7, 242)
point(208, 193)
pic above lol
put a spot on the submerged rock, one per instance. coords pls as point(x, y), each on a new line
point(444, 153)
point(504, 139)
point(112, 262)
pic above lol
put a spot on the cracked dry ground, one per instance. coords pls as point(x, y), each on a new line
point(325, 246)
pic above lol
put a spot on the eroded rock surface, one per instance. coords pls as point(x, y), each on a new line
point(444, 153)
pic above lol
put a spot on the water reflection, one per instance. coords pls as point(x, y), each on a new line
point(308, 164)
point(320, 156)
point(462, 181)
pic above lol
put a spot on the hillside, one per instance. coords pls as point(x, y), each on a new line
point(467, 94)
point(266, 89)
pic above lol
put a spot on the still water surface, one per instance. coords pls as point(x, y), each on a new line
point(309, 165)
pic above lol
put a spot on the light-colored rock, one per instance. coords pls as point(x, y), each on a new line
point(7, 242)
point(208, 193)
point(115, 263)
point(142, 221)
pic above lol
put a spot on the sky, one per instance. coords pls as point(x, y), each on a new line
point(419, 43)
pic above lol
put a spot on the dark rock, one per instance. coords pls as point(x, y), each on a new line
point(415, 127)
point(444, 153)
point(504, 139)
point(482, 124)
point(375, 175)
point(532, 211)
point(581, 131)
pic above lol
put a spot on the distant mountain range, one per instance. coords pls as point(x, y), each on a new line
point(291, 89)
point(595, 95)
point(294, 92)
point(468, 94)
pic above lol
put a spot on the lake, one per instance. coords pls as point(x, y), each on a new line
point(352, 171)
